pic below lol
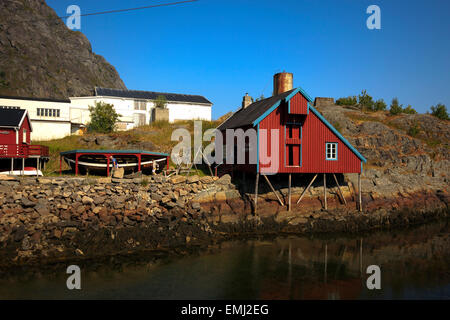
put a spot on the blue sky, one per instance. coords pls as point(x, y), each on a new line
point(222, 49)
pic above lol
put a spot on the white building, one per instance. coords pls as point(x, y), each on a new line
point(54, 119)
point(50, 118)
point(136, 107)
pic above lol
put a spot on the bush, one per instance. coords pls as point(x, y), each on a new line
point(409, 110)
point(414, 130)
point(161, 102)
point(440, 111)
point(395, 107)
point(103, 118)
point(365, 101)
point(349, 101)
point(379, 105)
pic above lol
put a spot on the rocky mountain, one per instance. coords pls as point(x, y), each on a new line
point(41, 57)
point(405, 153)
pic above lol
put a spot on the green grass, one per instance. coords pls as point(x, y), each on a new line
point(158, 133)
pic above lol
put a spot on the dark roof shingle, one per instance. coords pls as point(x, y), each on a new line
point(247, 116)
point(150, 95)
point(11, 117)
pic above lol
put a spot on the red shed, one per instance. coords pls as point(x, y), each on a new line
point(288, 125)
point(15, 130)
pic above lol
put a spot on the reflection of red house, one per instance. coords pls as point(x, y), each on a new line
point(15, 129)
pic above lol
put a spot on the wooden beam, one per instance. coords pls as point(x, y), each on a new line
point(306, 189)
point(359, 192)
point(289, 192)
point(325, 190)
point(273, 189)
point(256, 192)
point(339, 188)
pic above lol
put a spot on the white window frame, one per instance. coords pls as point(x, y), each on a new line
point(331, 151)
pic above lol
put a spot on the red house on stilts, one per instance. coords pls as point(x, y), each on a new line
point(303, 141)
point(15, 147)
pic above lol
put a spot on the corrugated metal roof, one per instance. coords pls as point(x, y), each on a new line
point(247, 116)
point(11, 117)
point(150, 95)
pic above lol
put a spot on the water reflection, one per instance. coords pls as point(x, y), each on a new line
point(414, 264)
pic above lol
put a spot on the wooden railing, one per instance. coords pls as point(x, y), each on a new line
point(22, 151)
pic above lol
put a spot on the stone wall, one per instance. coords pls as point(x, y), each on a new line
point(48, 219)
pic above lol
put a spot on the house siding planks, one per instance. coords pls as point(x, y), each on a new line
point(315, 134)
point(298, 104)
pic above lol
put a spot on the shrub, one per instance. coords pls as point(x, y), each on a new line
point(409, 110)
point(395, 107)
point(103, 118)
point(161, 102)
point(365, 101)
point(379, 105)
point(348, 101)
point(414, 130)
point(440, 111)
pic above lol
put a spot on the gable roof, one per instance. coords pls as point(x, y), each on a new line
point(150, 95)
point(246, 116)
point(257, 111)
point(12, 118)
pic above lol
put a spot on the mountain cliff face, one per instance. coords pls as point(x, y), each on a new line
point(41, 57)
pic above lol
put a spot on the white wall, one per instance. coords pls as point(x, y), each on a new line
point(44, 128)
point(125, 107)
point(49, 130)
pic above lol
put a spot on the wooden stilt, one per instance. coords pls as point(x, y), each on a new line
point(37, 167)
point(12, 165)
point(256, 192)
point(326, 262)
point(289, 192)
point(306, 189)
point(107, 166)
point(23, 166)
point(339, 188)
point(325, 190)
point(273, 190)
point(359, 192)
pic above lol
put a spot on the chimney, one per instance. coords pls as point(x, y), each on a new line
point(246, 101)
point(282, 82)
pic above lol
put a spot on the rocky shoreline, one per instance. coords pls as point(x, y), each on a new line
point(48, 220)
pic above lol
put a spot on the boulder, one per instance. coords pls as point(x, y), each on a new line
point(224, 180)
point(177, 179)
point(192, 179)
point(118, 173)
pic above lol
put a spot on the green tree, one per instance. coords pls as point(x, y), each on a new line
point(261, 97)
point(103, 118)
point(409, 110)
point(348, 101)
point(440, 111)
point(161, 102)
point(395, 107)
point(379, 105)
point(365, 101)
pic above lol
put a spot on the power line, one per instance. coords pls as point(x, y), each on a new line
point(113, 11)
point(133, 9)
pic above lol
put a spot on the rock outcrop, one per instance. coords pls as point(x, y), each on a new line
point(41, 57)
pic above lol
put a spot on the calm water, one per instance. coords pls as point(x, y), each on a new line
point(414, 265)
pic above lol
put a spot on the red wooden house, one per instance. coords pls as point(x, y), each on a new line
point(15, 144)
point(305, 141)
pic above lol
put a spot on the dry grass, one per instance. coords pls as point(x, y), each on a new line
point(158, 133)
